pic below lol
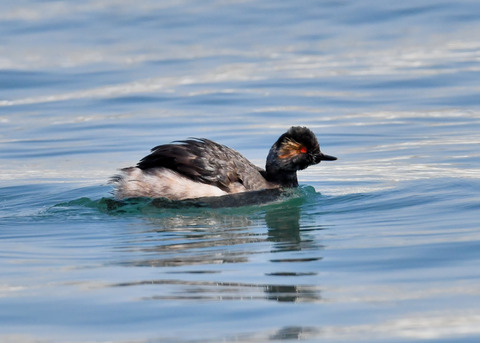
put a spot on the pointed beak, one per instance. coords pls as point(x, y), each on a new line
point(323, 157)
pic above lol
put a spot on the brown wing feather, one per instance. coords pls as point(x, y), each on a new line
point(205, 161)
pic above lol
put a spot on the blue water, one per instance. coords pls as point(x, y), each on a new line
point(382, 245)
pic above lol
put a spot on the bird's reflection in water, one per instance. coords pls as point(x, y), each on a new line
point(294, 333)
point(284, 228)
point(182, 240)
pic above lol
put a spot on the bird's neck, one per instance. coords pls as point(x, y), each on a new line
point(282, 178)
point(276, 173)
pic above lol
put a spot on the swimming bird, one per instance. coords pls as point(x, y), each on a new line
point(199, 167)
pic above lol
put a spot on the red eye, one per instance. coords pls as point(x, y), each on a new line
point(303, 150)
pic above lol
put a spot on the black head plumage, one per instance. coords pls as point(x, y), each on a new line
point(295, 150)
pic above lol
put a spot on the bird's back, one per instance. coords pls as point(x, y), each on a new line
point(186, 168)
point(205, 161)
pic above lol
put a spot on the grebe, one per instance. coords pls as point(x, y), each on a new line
point(199, 167)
